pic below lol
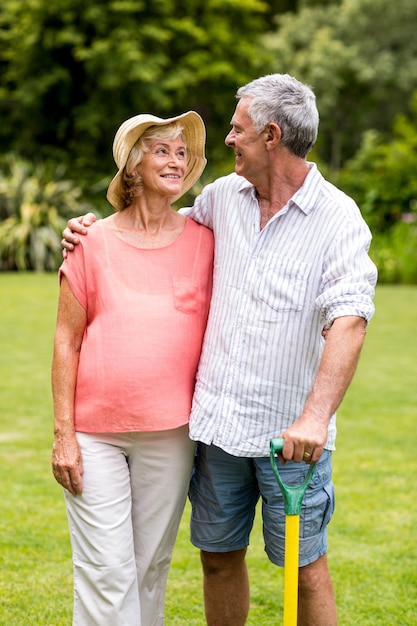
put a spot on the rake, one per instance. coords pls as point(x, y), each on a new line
point(293, 498)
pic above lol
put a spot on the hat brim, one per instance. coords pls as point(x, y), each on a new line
point(133, 128)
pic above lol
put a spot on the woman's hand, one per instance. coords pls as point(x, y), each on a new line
point(76, 225)
point(67, 465)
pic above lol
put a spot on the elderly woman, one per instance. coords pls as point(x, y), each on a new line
point(133, 306)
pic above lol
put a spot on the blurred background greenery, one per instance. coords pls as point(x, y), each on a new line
point(72, 70)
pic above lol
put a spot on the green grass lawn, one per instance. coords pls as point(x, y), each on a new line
point(373, 537)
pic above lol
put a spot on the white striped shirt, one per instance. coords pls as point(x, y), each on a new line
point(274, 289)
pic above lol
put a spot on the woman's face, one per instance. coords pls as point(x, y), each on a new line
point(163, 168)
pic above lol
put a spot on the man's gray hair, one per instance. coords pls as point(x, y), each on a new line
point(283, 100)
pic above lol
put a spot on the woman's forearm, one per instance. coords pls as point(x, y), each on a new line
point(66, 456)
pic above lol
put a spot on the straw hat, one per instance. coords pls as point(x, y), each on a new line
point(133, 128)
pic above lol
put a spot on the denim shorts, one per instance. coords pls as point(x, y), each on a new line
point(225, 490)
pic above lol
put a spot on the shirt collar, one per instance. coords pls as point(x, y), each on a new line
point(304, 198)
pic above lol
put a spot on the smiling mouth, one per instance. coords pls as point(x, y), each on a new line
point(171, 176)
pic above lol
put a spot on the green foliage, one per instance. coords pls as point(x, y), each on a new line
point(372, 546)
point(395, 253)
point(360, 56)
point(382, 179)
point(72, 70)
point(34, 206)
point(382, 174)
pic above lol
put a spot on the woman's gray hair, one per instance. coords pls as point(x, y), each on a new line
point(133, 183)
point(283, 100)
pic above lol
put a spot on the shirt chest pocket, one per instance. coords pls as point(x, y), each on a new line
point(283, 284)
point(187, 294)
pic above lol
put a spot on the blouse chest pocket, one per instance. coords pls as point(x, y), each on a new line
point(187, 294)
point(283, 284)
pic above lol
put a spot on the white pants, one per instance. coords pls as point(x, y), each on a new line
point(123, 526)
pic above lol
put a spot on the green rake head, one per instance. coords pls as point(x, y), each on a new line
point(293, 496)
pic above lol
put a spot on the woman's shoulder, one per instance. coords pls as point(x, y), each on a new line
point(196, 228)
point(96, 238)
point(99, 229)
point(198, 238)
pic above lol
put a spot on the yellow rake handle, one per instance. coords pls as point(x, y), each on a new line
point(292, 535)
point(293, 498)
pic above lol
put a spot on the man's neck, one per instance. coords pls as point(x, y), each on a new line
point(274, 192)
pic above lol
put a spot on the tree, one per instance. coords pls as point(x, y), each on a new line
point(73, 70)
point(360, 56)
point(382, 174)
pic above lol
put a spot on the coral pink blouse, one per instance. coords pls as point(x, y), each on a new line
point(146, 314)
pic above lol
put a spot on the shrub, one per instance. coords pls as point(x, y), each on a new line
point(395, 253)
point(35, 203)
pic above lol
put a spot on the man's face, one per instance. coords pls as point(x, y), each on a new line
point(247, 143)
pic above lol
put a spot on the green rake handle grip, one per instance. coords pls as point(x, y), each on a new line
point(293, 496)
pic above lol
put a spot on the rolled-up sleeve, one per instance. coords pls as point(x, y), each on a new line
point(349, 276)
